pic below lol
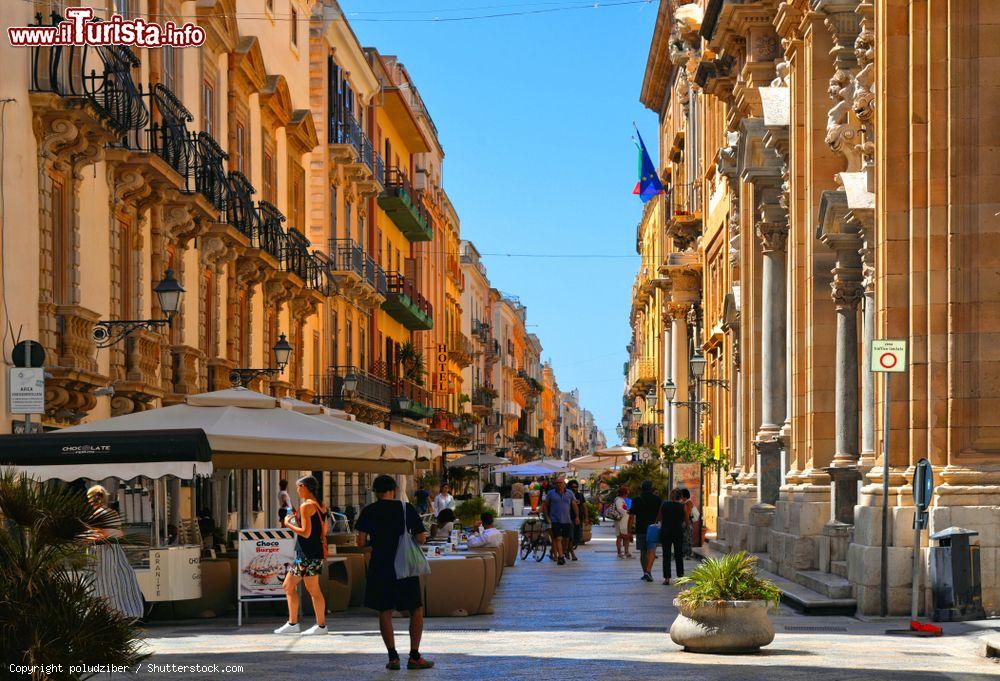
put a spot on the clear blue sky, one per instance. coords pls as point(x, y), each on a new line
point(535, 115)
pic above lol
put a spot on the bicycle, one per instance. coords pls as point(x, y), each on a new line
point(535, 539)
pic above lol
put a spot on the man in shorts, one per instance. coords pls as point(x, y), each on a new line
point(560, 505)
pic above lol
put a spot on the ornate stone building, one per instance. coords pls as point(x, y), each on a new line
point(826, 185)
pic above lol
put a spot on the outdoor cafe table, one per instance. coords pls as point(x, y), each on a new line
point(460, 584)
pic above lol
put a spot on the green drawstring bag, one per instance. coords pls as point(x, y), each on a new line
point(410, 559)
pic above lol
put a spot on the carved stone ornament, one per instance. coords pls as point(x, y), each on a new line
point(841, 131)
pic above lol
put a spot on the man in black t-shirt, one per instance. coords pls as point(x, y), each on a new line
point(642, 514)
point(380, 526)
point(673, 519)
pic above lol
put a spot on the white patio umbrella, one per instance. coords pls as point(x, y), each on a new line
point(248, 430)
point(616, 451)
point(590, 462)
point(481, 459)
point(425, 451)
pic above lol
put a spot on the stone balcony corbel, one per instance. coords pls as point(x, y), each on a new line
point(73, 374)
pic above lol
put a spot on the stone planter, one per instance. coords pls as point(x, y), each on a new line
point(723, 627)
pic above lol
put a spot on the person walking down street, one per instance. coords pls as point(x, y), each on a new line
point(579, 518)
point(284, 501)
point(621, 517)
point(673, 520)
point(689, 517)
point(380, 526)
point(643, 513)
point(309, 526)
point(443, 500)
point(559, 506)
point(114, 579)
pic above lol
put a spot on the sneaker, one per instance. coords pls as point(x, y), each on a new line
point(315, 629)
point(575, 558)
point(288, 628)
point(392, 664)
point(647, 577)
point(419, 663)
point(561, 561)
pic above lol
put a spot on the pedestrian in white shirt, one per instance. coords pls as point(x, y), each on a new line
point(485, 535)
point(443, 500)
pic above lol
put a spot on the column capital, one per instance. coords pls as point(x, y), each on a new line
point(678, 310)
point(773, 236)
point(847, 289)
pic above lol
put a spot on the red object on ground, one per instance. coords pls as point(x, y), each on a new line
point(925, 628)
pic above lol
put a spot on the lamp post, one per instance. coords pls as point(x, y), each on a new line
point(282, 353)
point(168, 293)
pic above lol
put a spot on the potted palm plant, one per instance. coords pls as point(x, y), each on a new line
point(725, 607)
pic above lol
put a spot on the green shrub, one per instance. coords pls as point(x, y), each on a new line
point(468, 511)
point(593, 517)
point(730, 578)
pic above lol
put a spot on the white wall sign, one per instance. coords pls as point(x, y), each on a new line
point(888, 356)
point(26, 389)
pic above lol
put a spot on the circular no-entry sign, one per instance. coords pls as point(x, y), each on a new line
point(888, 355)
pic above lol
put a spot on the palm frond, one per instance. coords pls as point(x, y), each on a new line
point(730, 578)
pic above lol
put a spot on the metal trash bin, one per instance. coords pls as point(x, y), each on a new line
point(956, 583)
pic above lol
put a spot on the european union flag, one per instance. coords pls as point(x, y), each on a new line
point(649, 184)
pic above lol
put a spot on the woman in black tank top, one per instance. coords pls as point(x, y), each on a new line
point(309, 526)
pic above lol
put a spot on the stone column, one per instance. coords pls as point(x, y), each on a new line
point(847, 292)
point(772, 230)
point(668, 426)
point(679, 362)
point(868, 453)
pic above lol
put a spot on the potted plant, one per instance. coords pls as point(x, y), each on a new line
point(725, 607)
point(468, 511)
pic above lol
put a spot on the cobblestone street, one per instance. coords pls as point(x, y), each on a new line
point(593, 619)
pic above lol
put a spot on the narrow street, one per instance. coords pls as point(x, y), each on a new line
point(593, 619)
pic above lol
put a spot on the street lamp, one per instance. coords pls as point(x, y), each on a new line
point(669, 389)
point(350, 384)
point(282, 353)
point(651, 398)
point(697, 364)
point(168, 293)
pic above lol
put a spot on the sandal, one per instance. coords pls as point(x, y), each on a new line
point(419, 663)
point(392, 664)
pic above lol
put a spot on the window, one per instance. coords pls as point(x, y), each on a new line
point(208, 111)
point(333, 212)
point(269, 5)
point(241, 148)
point(62, 245)
point(347, 218)
point(127, 273)
point(378, 246)
point(257, 487)
point(170, 68)
point(270, 176)
point(362, 355)
point(349, 340)
point(296, 197)
point(334, 333)
point(294, 24)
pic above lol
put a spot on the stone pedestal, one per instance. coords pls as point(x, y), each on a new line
point(833, 545)
point(768, 471)
point(761, 517)
point(843, 493)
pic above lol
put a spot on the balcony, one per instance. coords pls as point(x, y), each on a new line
point(210, 179)
point(400, 202)
point(526, 384)
point(641, 375)
point(370, 400)
point(482, 399)
point(350, 146)
point(481, 330)
point(357, 276)
point(460, 349)
point(411, 400)
point(89, 87)
point(454, 271)
point(268, 235)
point(406, 305)
point(238, 210)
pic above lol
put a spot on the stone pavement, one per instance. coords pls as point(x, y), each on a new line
point(594, 619)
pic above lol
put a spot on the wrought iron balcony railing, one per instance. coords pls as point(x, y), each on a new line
point(98, 74)
point(375, 276)
point(406, 304)
point(296, 255)
point(367, 387)
point(403, 205)
point(347, 256)
point(210, 179)
point(420, 399)
point(269, 236)
point(344, 129)
point(168, 136)
point(240, 211)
